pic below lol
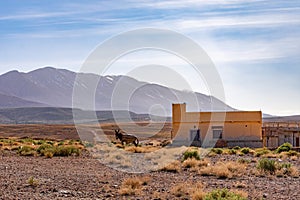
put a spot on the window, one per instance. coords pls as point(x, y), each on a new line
point(195, 135)
point(217, 132)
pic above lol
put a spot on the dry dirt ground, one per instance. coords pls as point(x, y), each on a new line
point(84, 177)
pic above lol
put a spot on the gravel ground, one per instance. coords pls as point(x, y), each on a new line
point(84, 177)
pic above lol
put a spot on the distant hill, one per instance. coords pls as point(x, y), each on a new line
point(51, 87)
point(7, 101)
point(282, 118)
point(51, 115)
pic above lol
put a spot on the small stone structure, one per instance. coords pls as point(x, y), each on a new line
point(277, 133)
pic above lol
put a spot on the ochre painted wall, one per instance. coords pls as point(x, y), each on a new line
point(237, 125)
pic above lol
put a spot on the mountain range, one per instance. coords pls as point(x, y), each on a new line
point(51, 87)
point(45, 95)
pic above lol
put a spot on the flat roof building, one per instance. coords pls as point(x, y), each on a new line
point(209, 129)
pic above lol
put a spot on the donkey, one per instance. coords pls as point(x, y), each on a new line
point(126, 138)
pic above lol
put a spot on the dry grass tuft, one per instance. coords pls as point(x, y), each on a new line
point(190, 163)
point(198, 195)
point(130, 186)
point(224, 170)
point(143, 149)
point(236, 168)
point(172, 167)
point(241, 193)
point(220, 171)
point(196, 192)
point(180, 190)
point(294, 172)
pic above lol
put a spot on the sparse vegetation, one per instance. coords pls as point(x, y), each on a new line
point(261, 151)
point(32, 181)
point(217, 150)
point(245, 150)
point(180, 190)
point(31, 147)
point(26, 151)
point(130, 186)
point(266, 165)
point(174, 167)
point(284, 148)
point(191, 154)
point(225, 194)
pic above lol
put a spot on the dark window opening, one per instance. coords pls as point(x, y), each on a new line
point(217, 132)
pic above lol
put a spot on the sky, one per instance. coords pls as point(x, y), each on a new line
point(254, 44)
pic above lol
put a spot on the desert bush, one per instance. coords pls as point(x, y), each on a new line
point(236, 148)
point(292, 153)
point(42, 147)
point(217, 150)
point(224, 194)
point(26, 151)
point(190, 162)
point(221, 171)
point(191, 154)
point(284, 148)
point(6, 141)
point(50, 142)
point(236, 168)
point(67, 151)
point(61, 143)
point(245, 150)
point(198, 195)
point(130, 186)
point(27, 140)
point(48, 154)
point(232, 151)
point(32, 181)
point(180, 190)
point(224, 170)
point(261, 151)
point(172, 167)
point(38, 142)
point(267, 165)
point(243, 161)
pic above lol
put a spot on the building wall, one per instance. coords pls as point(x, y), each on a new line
point(241, 128)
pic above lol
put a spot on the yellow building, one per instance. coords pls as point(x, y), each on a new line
point(232, 128)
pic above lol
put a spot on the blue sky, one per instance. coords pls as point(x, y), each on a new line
point(254, 44)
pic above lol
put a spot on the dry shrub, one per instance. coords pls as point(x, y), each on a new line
point(117, 158)
point(172, 167)
point(180, 190)
point(143, 149)
point(294, 158)
point(198, 195)
point(236, 168)
point(220, 171)
point(241, 193)
point(130, 186)
point(189, 163)
point(196, 192)
point(32, 181)
point(270, 155)
point(224, 170)
point(48, 154)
